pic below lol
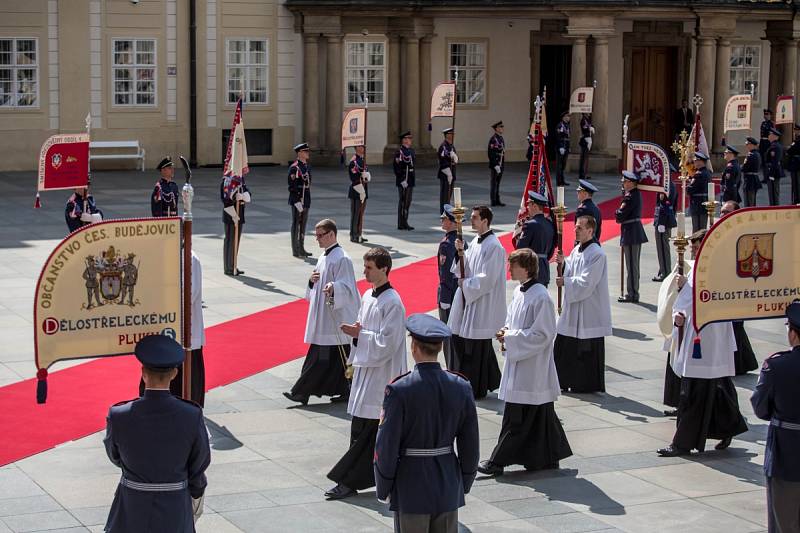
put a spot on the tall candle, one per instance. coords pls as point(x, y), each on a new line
point(711, 191)
point(681, 224)
point(560, 196)
point(457, 196)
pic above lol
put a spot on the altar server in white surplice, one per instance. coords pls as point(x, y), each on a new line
point(531, 434)
point(708, 407)
point(378, 356)
point(479, 305)
point(580, 351)
point(333, 300)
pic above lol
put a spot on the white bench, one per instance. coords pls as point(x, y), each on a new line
point(117, 145)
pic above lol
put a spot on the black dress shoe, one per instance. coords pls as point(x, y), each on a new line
point(339, 492)
point(361, 239)
point(305, 253)
point(229, 273)
point(490, 469)
point(340, 398)
point(658, 279)
point(625, 299)
point(353, 239)
point(501, 204)
point(410, 228)
point(673, 451)
point(724, 443)
point(296, 398)
point(673, 412)
point(239, 272)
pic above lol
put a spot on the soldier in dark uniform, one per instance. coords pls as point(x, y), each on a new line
point(794, 164)
point(750, 169)
point(300, 198)
point(632, 235)
point(497, 162)
point(164, 200)
point(586, 206)
point(562, 143)
point(448, 159)
point(587, 130)
point(529, 153)
point(763, 145)
point(777, 400)
point(774, 165)
point(235, 195)
point(538, 234)
point(424, 412)
point(448, 282)
point(663, 222)
point(697, 189)
point(731, 176)
point(404, 178)
point(358, 192)
point(79, 210)
point(161, 444)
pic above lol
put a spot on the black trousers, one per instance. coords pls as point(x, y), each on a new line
point(662, 249)
point(354, 470)
point(404, 196)
point(699, 218)
point(783, 505)
point(750, 198)
point(561, 165)
point(583, 166)
point(426, 523)
point(494, 186)
point(795, 187)
point(774, 191)
point(299, 221)
point(707, 409)
point(633, 254)
point(357, 208)
point(228, 246)
point(445, 193)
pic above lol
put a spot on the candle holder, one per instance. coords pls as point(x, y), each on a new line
point(711, 209)
point(560, 212)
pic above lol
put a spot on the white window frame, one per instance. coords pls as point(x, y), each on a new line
point(465, 85)
point(14, 67)
point(740, 86)
point(247, 66)
point(134, 67)
point(362, 69)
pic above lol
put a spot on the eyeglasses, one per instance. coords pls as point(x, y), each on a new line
point(318, 235)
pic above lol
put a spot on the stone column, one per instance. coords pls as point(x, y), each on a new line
point(311, 90)
point(334, 103)
point(423, 141)
point(789, 77)
point(410, 119)
point(393, 118)
point(722, 91)
point(704, 81)
point(600, 102)
point(577, 79)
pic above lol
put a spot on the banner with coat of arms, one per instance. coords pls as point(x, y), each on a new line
point(784, 110)
point(64, 162)
point(581, 100)
point(650, 162)
point(748, 266)
point(106, 286)
point(443, 100)
point(737, 113)
point(354, 128)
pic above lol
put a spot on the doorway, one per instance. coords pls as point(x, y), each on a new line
point(653, 88)
point(555, 65)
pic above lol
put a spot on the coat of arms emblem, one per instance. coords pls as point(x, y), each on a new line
point(56, 161)
point(111, 278)
point(353, 126)
point(581, 97)
point(754, 255)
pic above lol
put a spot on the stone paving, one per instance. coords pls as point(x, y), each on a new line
point(270, 457)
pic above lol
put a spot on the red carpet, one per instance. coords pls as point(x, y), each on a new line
point(79, 396)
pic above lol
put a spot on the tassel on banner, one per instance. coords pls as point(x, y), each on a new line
point(41, 385)
point(37, 203)
point(696, 353)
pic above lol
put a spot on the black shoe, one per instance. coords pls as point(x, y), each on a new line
point(724, 443)
point(353, 239)
point(501, 204)
point(361, 239)
point(239, 272)
point(340, 398)
point(339, 492)
point(296, 398)
point(410, 228)
point(658, 279)
point(673, 412)
point(305, 253)
point(673, 451)
point(229, 273)
point(490, 469)
point(625, 299)
point(296, 254)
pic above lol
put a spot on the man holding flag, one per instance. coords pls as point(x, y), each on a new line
point(234, 192)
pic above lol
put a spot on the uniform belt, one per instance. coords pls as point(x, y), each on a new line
point(784, 425)
point(543, 256)
point(700, 194)
point(631, 221)
point(153, 487)
point(427, 452)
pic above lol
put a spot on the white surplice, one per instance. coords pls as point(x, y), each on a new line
point(529, 376)
point(717, 342)
point(484, 290)
point(586, 312)
point(198, 330)
point(323, 323)
point(379, 355)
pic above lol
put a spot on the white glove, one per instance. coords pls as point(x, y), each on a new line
point(362, 193)
point(86, 217)
point(588, 143)
point(661, 228)
point(96, 217)
point(366, 176)
point(497, 169)
point(562, 151)
point(298, 206)
point(232, 212)
point(591, 130)
point(245, 197)
point(404, 184)
point(197, 507)
point(444, 306)
point(454, 158)
point(449, 173)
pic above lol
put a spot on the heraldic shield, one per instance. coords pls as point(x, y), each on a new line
point(754, 255)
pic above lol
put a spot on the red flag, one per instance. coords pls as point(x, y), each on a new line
point(538, 174)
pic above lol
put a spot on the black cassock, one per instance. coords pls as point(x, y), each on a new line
point(743, 358)
point(355, 469)
point(532, 436)
point(672, 385)
point(580, 363)
point(323, 372)
point(708, 409)
point(476, 360)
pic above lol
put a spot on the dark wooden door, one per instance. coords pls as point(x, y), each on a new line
point(653, 100)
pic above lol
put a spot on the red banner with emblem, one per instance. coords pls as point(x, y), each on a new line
point(64, 162)
point(650, 162)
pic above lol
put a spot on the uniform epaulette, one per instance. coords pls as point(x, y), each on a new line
point(123, 402)
point(459, 374)
point(400, 376)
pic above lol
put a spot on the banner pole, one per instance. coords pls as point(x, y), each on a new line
point(624, 167)
point(187, 193)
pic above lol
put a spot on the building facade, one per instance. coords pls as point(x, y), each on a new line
point(300, 64)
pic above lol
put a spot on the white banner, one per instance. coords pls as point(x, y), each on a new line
point(581, 100)
point(443, 101)
point(737, 113)
point(354, 128)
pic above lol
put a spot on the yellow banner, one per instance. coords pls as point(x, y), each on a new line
point(748, 266)
point(106, 286)
point(354, 128)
